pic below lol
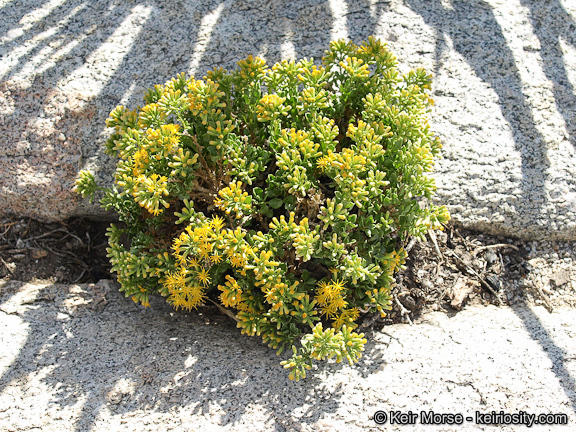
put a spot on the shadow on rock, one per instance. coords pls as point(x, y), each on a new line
point(91, 355)
point(557, 355)
point(478, 37)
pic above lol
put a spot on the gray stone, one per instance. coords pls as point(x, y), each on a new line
point(82, 358)
point(504, 85)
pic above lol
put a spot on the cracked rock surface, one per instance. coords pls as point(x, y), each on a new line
point(505, 79)
point(82, 358)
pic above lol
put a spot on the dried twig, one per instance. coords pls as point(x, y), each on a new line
point(57, 230)
point(6, 265)
point(471, 270)
point(16, 251)
point(224, 310)
point(53, 251)
point(496, 246)
point(432, 235)
point(70, 255)
point(79, 277)
point(78, 261)
point(405, 312)
point(9, 225)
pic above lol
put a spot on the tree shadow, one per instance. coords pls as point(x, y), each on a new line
point(99, 355)
point(557, 355)
point(363, 17)
point(84, 369)
point(551, 22)
point(18, 16)
point(65, 72)
point(40, 165)
point(478, 37)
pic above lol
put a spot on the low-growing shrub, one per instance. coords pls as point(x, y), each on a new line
point(284, 194)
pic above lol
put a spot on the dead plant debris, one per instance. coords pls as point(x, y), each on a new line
point(445, 272)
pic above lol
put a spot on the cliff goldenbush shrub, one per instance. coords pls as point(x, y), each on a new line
point(283, 194)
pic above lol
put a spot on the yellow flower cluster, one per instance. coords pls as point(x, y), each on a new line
point(252, 68)
point(232, 294)
point(148, 192)
point(158, 144)
point(234, 200)
point(355, 67)
point(185, 290)
point(204, 97)
point(270, 107)
point(197, 250)
point(331, 296)
point(140, 160)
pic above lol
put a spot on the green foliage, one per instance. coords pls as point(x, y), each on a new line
point(86, 185)
point(284, 193)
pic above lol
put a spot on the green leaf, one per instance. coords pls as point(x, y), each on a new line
point(258, 193)
point(265, 210)
point(275, 203)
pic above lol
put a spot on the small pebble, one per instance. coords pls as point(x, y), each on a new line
point(427, 284)
point(38, 253)
point(61, 137)
point(409, 302)
point(491, 257)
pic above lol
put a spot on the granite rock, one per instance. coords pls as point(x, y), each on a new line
point(504, 86)
point(82, 358)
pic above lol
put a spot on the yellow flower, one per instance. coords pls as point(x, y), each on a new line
point(201, 233)
point(204, 250)
point(231, 292)
point(217, 223)
point(203, 276)
point(347, 317)
point(216, 258)
point(237, 260)
point(181, 259)
point(178, 300)
point(139, 161)
point(194, 297)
